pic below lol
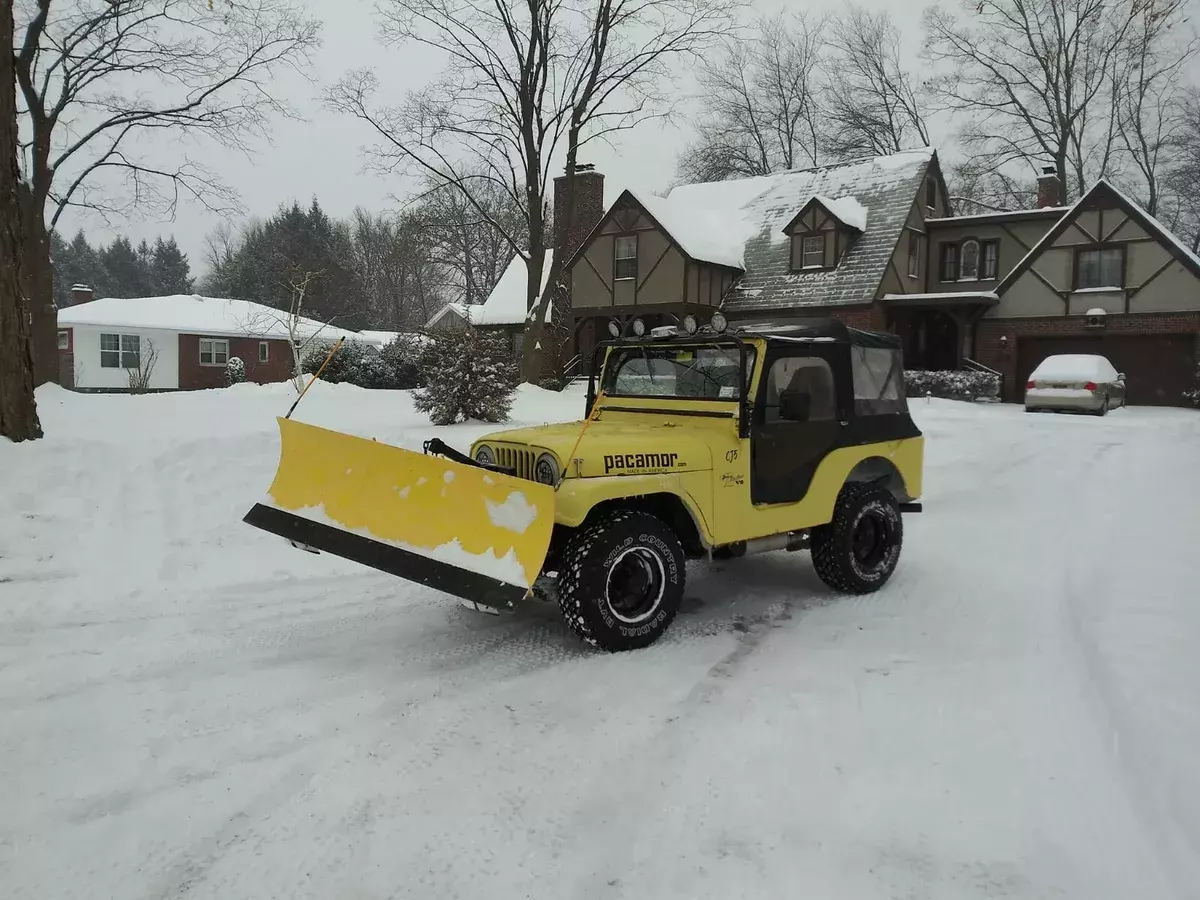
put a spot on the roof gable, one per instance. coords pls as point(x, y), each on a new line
point(846, 211)
point(1103, 195)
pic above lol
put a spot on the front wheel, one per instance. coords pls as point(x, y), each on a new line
point(621, 580)
point(858, 551)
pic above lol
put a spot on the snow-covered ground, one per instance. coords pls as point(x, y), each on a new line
point(191, 707)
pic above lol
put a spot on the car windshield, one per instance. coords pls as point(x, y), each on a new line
point(693, 372)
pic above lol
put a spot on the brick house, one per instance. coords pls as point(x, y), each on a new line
point(875, 243)
point(193, 337)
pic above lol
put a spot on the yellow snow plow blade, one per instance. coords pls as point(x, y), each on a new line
point(470, 532)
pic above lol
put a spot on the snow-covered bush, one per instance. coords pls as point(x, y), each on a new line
point(1193, 396)
point(394, 367)
point(952, 384)
point(235, 371)
point(468, 375)
point(403, 357)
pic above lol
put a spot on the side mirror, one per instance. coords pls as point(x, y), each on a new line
point(794, 406)
point(1121, 376)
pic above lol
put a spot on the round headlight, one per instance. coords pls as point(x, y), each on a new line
point(719, 322)
point(485, 455)
point(614, 329)
point(689, 324)
point(639, 327)
point(545, 470)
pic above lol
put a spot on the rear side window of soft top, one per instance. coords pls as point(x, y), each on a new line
point(878, 381)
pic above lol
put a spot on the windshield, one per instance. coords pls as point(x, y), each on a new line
point(695, 372)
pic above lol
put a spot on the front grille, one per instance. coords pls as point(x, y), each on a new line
point(519, 459)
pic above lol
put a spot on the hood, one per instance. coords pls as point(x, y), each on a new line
point(614, 446)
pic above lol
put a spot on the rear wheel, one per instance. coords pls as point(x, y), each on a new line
point(858, 551)
point(621, 580)
point(1103, 410)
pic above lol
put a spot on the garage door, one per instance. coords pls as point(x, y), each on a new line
point(1158, 368)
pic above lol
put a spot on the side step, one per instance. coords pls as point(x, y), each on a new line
point(317, 536)
point(912, 507)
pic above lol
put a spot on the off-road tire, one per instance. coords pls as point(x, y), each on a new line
point(591, 559)
point(833, 546)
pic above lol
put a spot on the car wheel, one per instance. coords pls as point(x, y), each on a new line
point(1103, 410)
point(621, 580)
point(858, 551)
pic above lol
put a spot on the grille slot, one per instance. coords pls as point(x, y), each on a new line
point(518, 459)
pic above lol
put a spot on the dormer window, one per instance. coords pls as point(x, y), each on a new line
point(971, 260)
point(812, 251)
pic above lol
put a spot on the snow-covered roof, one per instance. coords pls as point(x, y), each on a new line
point(710, 235)
point(999, 215)
point(193, 314)
point(1135, 210)
point(378, 338)
point(945, 295)
point(749, 215)
point(848, 210)
point(507, 303)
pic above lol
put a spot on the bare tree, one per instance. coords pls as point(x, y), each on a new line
point(761, 101)
point(876, 105)
point(1149, 93)
point(523, 77)
point(1026, 75)
point(82, 67)
point(140, 375)
point(1180, 206)
point(977, 187)
point(18, 408)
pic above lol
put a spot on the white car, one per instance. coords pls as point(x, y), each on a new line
point(1075, 381)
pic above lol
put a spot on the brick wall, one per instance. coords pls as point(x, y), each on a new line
point(1002, 356)
point(868, 318)
point(193, 375)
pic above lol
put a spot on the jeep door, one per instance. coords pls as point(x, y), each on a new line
point(797, 420)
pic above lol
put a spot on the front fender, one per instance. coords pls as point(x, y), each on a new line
point(579, 496)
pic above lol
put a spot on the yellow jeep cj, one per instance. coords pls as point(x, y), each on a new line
point(696, 444)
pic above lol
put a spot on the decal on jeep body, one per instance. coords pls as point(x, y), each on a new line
point(639, 461)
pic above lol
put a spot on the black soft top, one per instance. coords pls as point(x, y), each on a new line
point(817, 329)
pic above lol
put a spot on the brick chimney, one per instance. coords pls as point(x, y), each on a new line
point(1049, 188)
point(589, 207)
point(80, 293)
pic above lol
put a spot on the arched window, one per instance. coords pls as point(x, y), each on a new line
point(969, 266)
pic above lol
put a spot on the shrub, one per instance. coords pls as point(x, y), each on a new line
point(403, 357)
point(345, 365)
point(235, 371)
point(959, 384)
point(469, 375)
point(1193, 396)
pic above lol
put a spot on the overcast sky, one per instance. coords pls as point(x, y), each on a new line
point(322, 156)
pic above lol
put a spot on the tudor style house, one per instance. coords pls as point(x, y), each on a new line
point(876, 243)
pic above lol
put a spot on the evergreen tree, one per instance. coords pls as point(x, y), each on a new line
point(124, 275)
point(169, 269)
point(470, 374)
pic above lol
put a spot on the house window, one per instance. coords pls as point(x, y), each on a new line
point(120, 351)
point(518, 343)
point(968, 265)
point(264, 351)
point(949, 262)
point(1102, 267)
point(914, 254)
point(991, 259)
point(64, 340)
point(931, 194)
point(214, 352)
point(812, 251)
point(625, 257)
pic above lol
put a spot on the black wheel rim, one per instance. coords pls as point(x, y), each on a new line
point(635, 584)
point(871, 538)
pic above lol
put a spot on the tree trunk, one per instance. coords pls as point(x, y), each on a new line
point(38, 277)
point(18, 409)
